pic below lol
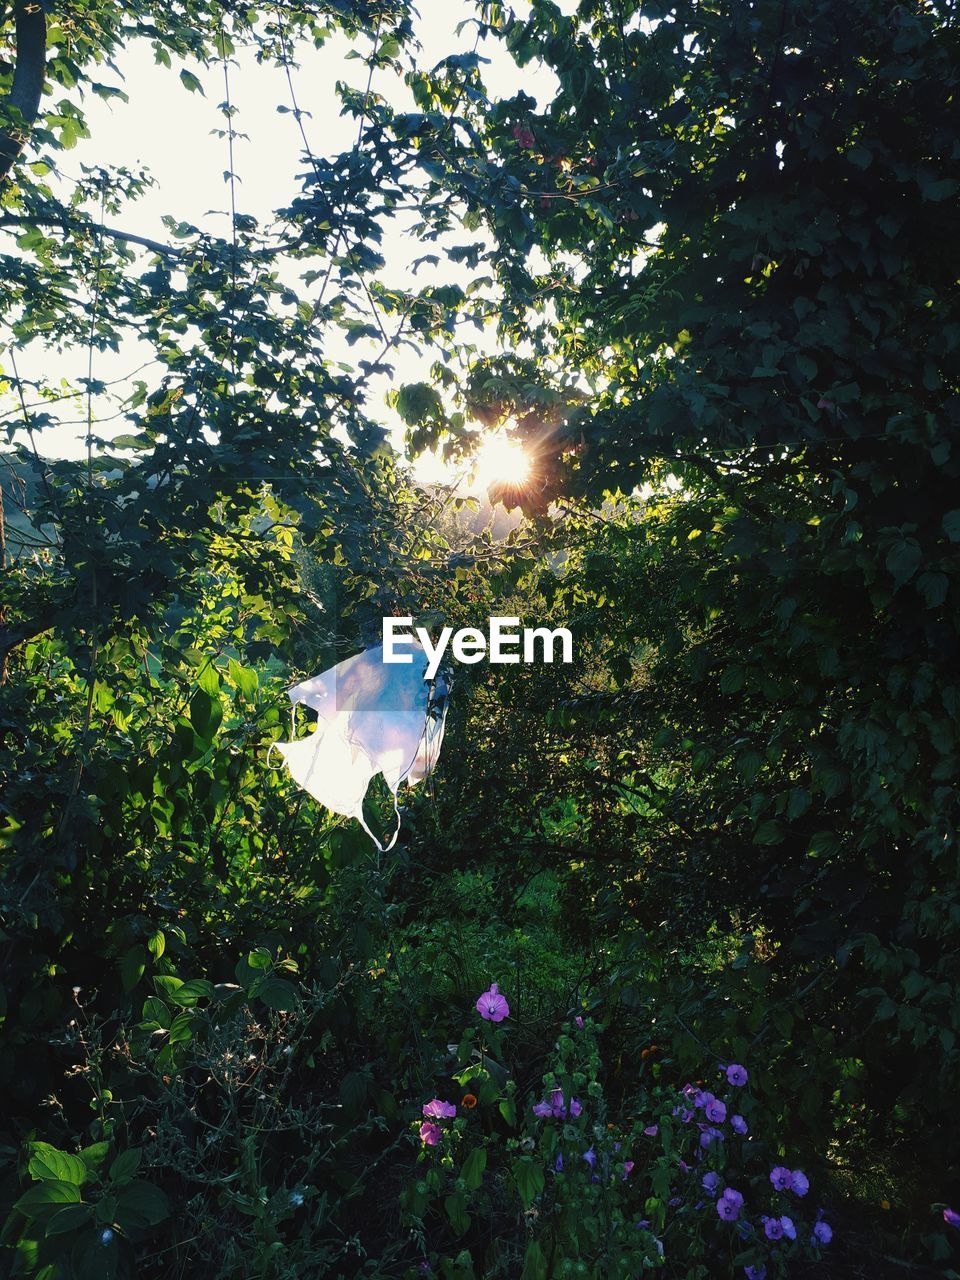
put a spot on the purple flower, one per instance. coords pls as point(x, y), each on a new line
point(772, 1228)
point(684, 1166)
point(823, 1233)
point(430, 1133)
point(575, 1107)
point(492, 1005)
point(716, 1111)
point(557, 1104)
point(710, 1182)
point(701, 1098)
point(438, 1110)
point(759, 1272)
point(781, 1178)
point(686, 1115)
point(627, 1169)
point(738, 1124)
point(708, 1136)
point(542, 1109)
point(735, 1196)
point(579, 1021)
point(951, 1218)
point(799, 1182)
point(591, 1157)
point(727, 1208)
point(789, 1230)
point(558, 1163)
point(737, 1075)
point(651, 1131)
point(643, 1223)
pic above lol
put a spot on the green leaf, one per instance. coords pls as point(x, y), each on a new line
point(529, 1178)
point(44, 1199)
point(769, 832)
point(70, 1218)
point(456, 1207)
point(534, 1262)
point(188, 993)
point(278, 994)
point(181, 1028)
point(132, 966)
point(903, 559)
point(126, 1165)
point(951, 525)
point(141, 1205)
point(190, 81)
point(732, 679)
point(166, 984)
point(94, 1156)
point(206, 714)
point(508, 1109)
point(822, 844)
point(156, 944)
point(938, 188)
point(933, 588)
point(47, 1162)
point(473, 1167)
point(353, 1091)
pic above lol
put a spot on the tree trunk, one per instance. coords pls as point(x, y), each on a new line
point(23, 102)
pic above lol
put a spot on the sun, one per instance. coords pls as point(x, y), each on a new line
point(500, 461)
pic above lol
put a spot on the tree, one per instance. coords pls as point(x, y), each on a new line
point(742, 222)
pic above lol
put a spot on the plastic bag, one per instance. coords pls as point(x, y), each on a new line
point(373, 717)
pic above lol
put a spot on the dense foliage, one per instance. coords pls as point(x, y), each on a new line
point(663, 973)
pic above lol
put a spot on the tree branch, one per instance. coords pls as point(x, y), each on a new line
point(24, 96)
point(13, 635)
point(78, 224)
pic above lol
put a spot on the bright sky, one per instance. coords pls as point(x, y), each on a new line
point(169, 131)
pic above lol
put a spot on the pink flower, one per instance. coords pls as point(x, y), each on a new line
point(439, 1110)
point(492, 1006)
point(627, 1169)
point(951, 1218)
point(430, 1133)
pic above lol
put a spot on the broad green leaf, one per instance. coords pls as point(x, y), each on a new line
point(139, 1204)
point(45, 1198)
point(473, 1167)
point(49, 1163)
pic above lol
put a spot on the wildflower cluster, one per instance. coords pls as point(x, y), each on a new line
point(682, 1182)
point(779, 1224)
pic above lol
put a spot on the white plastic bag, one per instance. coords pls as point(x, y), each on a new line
point(373, 717)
